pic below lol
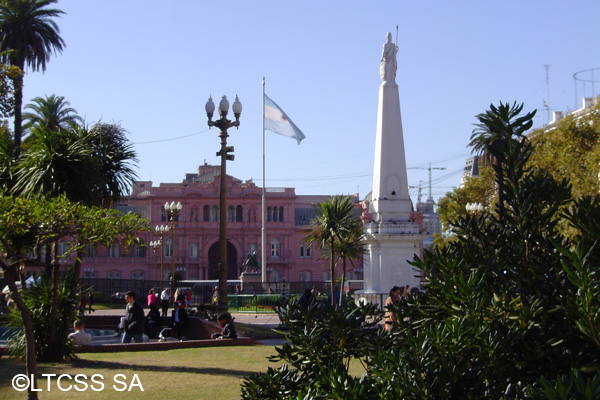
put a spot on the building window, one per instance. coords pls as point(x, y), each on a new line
point(140, 251)
point(214, 214)
point(325, 276)
point(280, 214)
point(168, 247)
point(230, 214)
point(305, 276)
point(89, 250)
point(113, 251)
point(194, 250)
point(114, 275)
point(137, 276)
point(239, 214)
point(269, 211)
point(275, 247)
point(309, 252)
point(62, 248)
point(275, 276)
point(89, 273)
point(302, 251)
point(206, 213)
point(275, 214)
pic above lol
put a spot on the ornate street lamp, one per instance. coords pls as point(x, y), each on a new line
point(162, 231)
point(154, 245)
point(223, 124)
point(172, 212)
point(474, 207)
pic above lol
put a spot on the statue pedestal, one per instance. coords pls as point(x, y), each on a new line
point(251, 282)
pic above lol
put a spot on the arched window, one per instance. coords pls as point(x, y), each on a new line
point(281, 214)
point(230, 214)
point(239, 214)
point(214, 214)
point(275, 247)
point(269, 210)
point(206, 213)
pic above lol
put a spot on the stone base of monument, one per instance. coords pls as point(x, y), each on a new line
point(251, 282)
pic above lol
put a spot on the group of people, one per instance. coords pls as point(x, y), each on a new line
point(86, 302)
point(135, 324)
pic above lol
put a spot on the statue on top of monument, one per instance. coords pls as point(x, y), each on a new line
point(387, 69)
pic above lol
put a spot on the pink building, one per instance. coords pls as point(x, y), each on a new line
point(193, 247)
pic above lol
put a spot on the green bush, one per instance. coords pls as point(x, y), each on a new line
point(38, 299)
point(511, 309)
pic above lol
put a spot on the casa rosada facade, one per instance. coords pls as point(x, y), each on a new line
point(193, 245)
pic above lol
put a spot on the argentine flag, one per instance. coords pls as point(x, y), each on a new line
point(277, 121)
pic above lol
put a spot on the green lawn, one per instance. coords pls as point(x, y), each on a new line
point(205, 373)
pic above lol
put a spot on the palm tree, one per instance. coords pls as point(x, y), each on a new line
point(30, 36)
point(498, 128)
point(57, 162)
point(334, 221)
point(350, 247)
point(52, 112)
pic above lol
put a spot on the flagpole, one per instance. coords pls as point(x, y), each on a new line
point(263, 246)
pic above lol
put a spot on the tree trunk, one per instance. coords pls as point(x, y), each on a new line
point(18, 84)
point(30, 362)
point(51, 348)
point(341, 303)
point(332, 274)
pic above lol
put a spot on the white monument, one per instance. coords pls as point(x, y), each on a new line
point(391, 238)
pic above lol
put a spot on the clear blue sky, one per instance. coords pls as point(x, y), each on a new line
point(151, 65)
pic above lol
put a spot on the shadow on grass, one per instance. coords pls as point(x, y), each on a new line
point(112, 365)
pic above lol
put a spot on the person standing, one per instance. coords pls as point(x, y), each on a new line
point(134, 320)
point(164, 301)
point(90, 301)
point(391, 303)
point(82, 304)
point(151, 297)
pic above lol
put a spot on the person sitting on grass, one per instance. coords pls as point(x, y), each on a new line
point(80, 336)
point(228, 332)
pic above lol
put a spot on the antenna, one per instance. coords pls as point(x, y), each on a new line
point(547, 91)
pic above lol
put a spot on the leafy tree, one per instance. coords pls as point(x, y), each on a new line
point(478, 189)
point(27, 226)
point(333, 222)
point(571, 150)
point(29, 36)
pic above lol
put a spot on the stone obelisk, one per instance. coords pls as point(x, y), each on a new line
point(391, 238)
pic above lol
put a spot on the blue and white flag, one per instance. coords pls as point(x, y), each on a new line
point(276, 120)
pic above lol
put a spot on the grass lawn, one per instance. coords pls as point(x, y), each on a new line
point(212, 373)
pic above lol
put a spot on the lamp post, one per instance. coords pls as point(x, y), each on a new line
point(223, 124)
point(474, 207)
point(162, 230)
point(154, 244)
point(172, 212)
